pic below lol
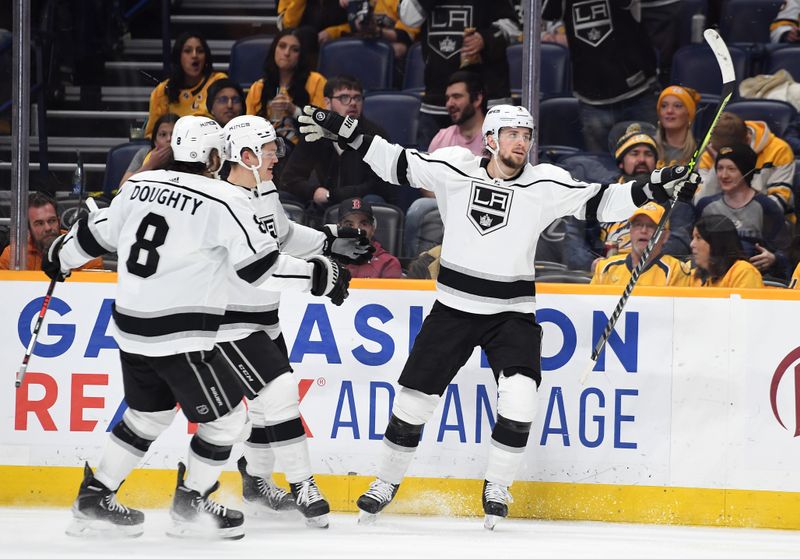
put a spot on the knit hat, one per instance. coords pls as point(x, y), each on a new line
point(688, 96)
point(634, 136)
point(742, 156)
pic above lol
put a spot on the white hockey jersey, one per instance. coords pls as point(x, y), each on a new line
point(252, 309)
point(180, 239)
point(492, 226)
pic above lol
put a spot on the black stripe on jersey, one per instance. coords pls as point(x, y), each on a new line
point(204, 195)
point(445, 163)
point(616, 263)
point(87, 241)
point(485, 287)
point(594, 203)
point(168, 324)
point(664, 267)
point(291, 276)
point(255, 271)
point(264, 318)
point(100, 220)
point(402, 169)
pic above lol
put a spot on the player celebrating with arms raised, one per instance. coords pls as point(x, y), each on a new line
point(494, 209)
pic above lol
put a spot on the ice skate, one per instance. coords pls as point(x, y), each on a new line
point(375, 499)
point(96, 512)
point(495, 503)
point(195, 515)
point(261, 494)
point(311, 503)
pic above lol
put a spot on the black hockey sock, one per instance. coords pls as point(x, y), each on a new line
point(403, 434)
point(512, 434)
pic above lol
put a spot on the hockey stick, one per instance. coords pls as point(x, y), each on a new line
point(725, 63)
point(23, 368)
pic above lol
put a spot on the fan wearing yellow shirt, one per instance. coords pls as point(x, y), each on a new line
point(186, 90)
point(718, 257)
point(661, 270)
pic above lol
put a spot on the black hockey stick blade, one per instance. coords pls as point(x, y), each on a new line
point(725, 63)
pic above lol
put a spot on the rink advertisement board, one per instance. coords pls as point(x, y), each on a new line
point(691, 392)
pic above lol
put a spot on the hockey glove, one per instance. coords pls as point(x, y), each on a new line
point(329, 279)
point(666, 181)
point(347, 244)
point(51, 263)
point(320, 123)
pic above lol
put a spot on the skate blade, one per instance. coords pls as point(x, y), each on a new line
point(317, 521)
point(92, 528)
point(490, 521)
point(367, 518)
point(201, 531)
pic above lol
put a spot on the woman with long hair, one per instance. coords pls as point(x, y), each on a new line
point(159, 154)
point(718, 257)
point(185, 91)
point(676, 108)
point(286, 86)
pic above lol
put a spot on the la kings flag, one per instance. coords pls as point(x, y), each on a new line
point(489, 206)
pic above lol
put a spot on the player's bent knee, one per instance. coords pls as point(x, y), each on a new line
point(148, 424)
point(279, 399)
point(227, 430)
point(414, 407)
point(517, 397)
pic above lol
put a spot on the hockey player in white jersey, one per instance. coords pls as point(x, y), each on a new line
point(494, 209)
point(250, 337)
point(178, 235)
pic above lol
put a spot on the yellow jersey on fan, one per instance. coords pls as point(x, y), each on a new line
point(664, 271)
point(795, 282)
point(191, 101)
point(741, 274)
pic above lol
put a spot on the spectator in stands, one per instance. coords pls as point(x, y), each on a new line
point(159, 154)
point(357, 213)
point(773, 172)
point(717, 256)
point(337, 174)
point(660, 270)
point(795, 282)
point(44, 226)
point(287, 85)
point(225, 101)
point(316, 21)
point(466, 107)
point(661, 18)
point(459, 34)
point(758, 220)
point(784, 28)
point(677, 107)
point(613, 65)
point(426, 265)
point(186, 89)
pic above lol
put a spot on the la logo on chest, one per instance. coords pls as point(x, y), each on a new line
point(489, 206)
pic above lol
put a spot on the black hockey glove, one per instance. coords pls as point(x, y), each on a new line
point(329, 279)
point(330, 125)
point(347, 244)
point(51, 263)
point(667, 181)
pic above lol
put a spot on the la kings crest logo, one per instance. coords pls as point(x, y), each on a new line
point(592, 21)
point(488, 207)
point(267, 225)
point(446, 26)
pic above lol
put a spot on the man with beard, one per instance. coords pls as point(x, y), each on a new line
point(43, 229)
point(466, 105)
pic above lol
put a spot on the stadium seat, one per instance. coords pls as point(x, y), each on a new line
point(695, 66)
point(414, 77)
point(747, 21)
point(396, 113)
point(294, 211)
point(371, 61)
point(553, 154)
point(390, 222)
point(560, 122)
point(247, 59)
point(554, 69)
point(117, 161)
point(591, 167)
point(787, 58)
point(777, 114)
point(706, 109)
point(688, 9)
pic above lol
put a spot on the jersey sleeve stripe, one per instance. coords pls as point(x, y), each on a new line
point(87, 241)
point(255, 271)
point(402, 169)
point(485, 287)
point(594, 203)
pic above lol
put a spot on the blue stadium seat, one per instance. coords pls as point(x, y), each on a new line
point(117, 161)
point(777, 114)
point(554, 77)
point(371, 61)
point(560, 122)
point(414, 77)
point(396, 113)
point(687, 10)
point(706, 109)
point(747, 21)
point(247, 59)
point(787, 58)
point(695, 66)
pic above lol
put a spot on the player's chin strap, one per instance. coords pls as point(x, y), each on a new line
point(254, 169)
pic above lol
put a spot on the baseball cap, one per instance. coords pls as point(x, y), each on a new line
point(652, 210)
point(353, 205)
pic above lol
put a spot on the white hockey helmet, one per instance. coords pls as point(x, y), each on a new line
point(250, 132)
point(505, 116)
point(194, 137)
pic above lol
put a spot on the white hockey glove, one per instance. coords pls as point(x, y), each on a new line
point(347, 244)
point(51, 263)
point(668, 182)
point(330, 125)
point(329, 279)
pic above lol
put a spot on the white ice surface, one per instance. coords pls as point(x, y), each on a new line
point(40, 533)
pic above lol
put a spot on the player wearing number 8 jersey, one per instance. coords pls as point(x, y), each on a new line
point(180, 235)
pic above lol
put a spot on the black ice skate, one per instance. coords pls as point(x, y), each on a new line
point(495, 503)
point(375, 499)
point(262, 494)
point(195, 515)
point(96, 512)
point(311, 503)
